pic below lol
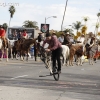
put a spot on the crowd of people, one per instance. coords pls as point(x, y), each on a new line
point(54, 42)
point(17, 35)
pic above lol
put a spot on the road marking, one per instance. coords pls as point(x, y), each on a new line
point(19, 76)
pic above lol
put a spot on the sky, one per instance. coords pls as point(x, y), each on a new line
point(38, 10)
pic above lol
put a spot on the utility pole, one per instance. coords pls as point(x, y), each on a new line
point(64, 15)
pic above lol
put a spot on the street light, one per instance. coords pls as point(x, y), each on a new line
point(49, 17)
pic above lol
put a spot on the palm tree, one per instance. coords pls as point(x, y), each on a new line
point(30, 24)
point(5, 26)
point(97, 23)
point(96, 28)
point(11, 11)
point(98, 15)
point(84, 28)
point(77, 25)
point(85, 19)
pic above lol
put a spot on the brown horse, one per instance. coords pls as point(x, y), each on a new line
point(76, 49)
point(23, 46)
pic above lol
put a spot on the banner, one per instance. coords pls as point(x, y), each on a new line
point(45, 28)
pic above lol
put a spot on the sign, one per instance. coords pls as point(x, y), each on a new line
point(45, 28)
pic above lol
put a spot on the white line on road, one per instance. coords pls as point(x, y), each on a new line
point(19, 76)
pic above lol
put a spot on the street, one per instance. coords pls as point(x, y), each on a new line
point(20, 81)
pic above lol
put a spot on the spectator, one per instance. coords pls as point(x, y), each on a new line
point(61, 38)
point(19, 34)
point(24, 34)
point(81, 39)
point(32, 51)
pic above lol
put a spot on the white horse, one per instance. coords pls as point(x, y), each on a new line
point(3, 50)
point(65, 53)
point(92, 53)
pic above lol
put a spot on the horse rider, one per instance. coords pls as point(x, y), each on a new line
point(55, 47)
point(81, 39)
point(19, 34)
point(61, 38)
point(89, 43)
point(2, 35)
point(39, 38)
point(66, 39)
point(24, 34)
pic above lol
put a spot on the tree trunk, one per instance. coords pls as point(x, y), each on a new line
point(9, 21)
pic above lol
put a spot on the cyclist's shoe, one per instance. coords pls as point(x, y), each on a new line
point(54, 70)
point(59, 71)
point(51, 73)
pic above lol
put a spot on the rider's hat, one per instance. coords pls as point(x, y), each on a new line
point(48, 34)
point(1, 26)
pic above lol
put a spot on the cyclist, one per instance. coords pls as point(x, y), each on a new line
point(55, 47)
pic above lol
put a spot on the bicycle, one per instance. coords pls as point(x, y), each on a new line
point(46, 57)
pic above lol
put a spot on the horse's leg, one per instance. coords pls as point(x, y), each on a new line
point(12, 54)
point(16, 55)
point(21, 58)
point(2, 53)
point(7, 54)
point(81, 60)
point(89, 61)
point(77, 61)
point(64, 57)
point(92, 59)
point(27, 56)
point(71, 61)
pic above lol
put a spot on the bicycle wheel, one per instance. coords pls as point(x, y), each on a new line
point(56, 75)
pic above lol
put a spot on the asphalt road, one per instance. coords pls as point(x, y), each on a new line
point(20, 81)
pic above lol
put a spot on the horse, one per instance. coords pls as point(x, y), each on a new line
point(4, 48)
point(92, 53)
point(78, 50)
point(65, 54)
point(14, 52)
point(23, 46)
